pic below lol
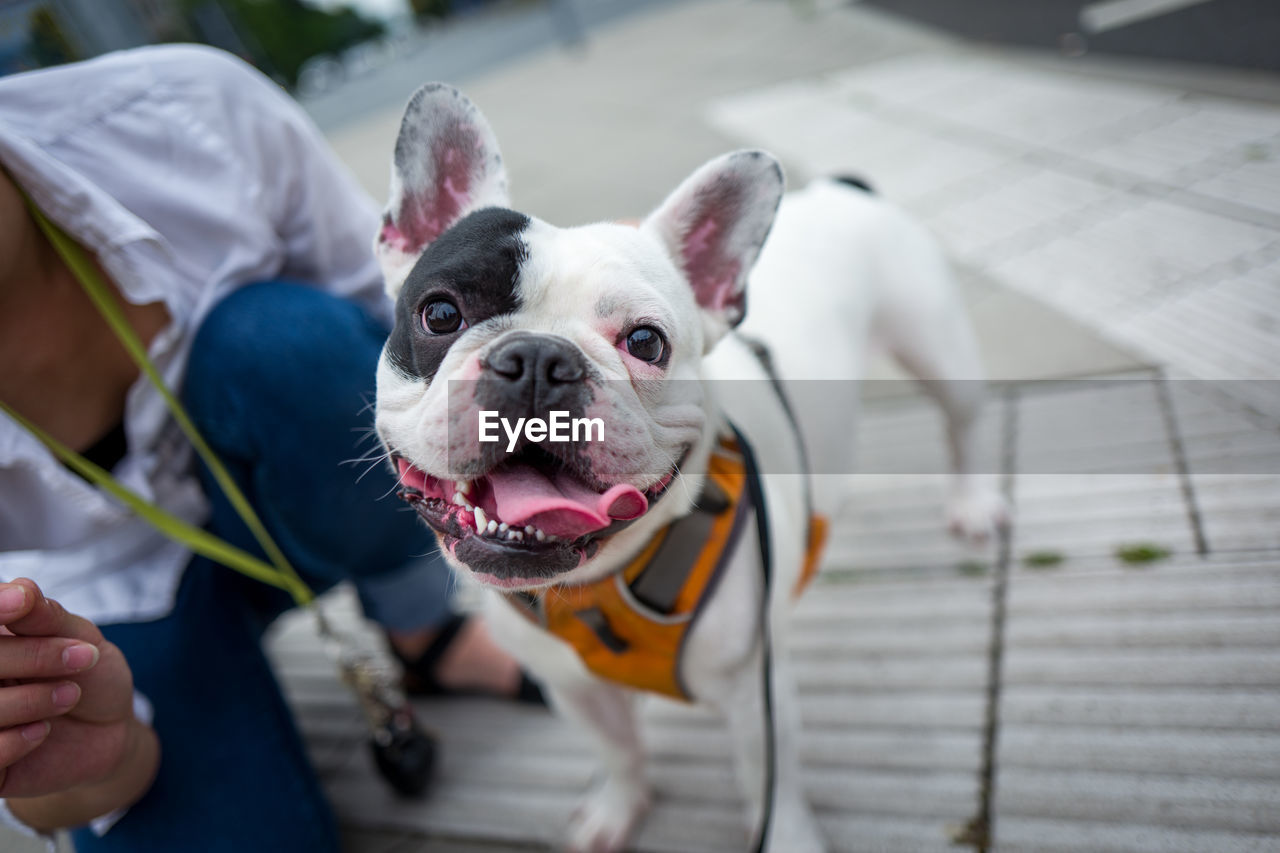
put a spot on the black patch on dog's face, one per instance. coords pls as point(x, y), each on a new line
point(476, 265)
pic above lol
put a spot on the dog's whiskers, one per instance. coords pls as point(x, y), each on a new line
point(394, 488)
point(373, 457)
point(374, 465)
point(365, 433)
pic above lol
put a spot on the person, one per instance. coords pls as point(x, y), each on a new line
point(136, 703)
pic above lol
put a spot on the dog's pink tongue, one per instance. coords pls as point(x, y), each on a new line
point(560, 506)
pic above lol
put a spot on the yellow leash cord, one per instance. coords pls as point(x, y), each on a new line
point(403, 754)
point(199, 540)
point(279, 573)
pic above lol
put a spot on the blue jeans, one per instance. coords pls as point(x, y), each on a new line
point(280, 382)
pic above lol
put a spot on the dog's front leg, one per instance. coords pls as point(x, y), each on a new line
point(792, 828)
point(606, 818)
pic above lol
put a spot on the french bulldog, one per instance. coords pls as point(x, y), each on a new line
point(629, 335)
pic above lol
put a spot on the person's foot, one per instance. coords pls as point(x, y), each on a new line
point(460, 657)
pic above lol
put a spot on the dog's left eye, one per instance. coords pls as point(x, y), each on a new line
point(441, 316)
point(646, 343)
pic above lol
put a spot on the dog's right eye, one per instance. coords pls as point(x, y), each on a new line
point(646, 343)
point(441, 316)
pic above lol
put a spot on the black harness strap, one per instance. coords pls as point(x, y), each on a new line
point(766, 557)
point(756, 490)
point(659, 585)
point(762, 354)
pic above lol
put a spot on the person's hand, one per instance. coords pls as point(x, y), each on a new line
point(66, 698)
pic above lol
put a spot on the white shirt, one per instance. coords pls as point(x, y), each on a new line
point(188, 174)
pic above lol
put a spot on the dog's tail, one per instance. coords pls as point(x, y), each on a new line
point(855, 182)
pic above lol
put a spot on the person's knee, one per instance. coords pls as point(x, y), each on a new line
point(283, 329)
point(266, 344)
point(258, 324)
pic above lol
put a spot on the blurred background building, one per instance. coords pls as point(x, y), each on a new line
point(1239, 33)
point(278, 36)
point(312, 45)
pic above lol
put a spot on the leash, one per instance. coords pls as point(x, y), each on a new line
point(756, 491)
point(765, 358)
point(403, 752)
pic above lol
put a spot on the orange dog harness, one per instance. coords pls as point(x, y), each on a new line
point(631, 627)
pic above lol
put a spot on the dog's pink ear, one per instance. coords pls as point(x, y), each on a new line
point(446, 165)
point(713, 226)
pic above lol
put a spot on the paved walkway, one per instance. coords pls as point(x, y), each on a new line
point(1132, 705)
point(1149, 214)
point(1104, 224)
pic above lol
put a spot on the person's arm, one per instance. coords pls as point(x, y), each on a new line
point(71, 748)
point(324, 219)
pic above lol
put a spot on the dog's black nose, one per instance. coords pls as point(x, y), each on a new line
point(537, 358)
point(537, 372)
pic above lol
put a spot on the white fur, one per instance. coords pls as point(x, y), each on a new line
point(839, 267)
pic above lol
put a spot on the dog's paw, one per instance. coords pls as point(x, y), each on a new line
point(606, 818)
point(796, 839)
point(976, 515)
point(792, 828)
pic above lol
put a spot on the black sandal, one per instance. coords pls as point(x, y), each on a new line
point(420, 674)
point(405, 755)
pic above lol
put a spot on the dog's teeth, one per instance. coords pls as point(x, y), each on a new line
point(529, 528)
point(516, 535)
point(503, 527)
point(464, 487)
point(492, 527)
point(459, 499)
point(541, 537)
point(481, 519)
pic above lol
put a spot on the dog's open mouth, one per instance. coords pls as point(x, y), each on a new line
point(528, 519)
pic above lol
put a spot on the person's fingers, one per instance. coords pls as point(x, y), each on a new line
point(29, 703)
point(45, 657)
point(15, 602)
point(47, 618)
point(108, 688)
point(16, 742)
point(49, 642)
